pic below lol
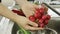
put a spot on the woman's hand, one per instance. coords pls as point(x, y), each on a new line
point(29, 8)
point(27, 24)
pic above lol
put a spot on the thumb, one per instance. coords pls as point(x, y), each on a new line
point(35, 6)
point(45, 7)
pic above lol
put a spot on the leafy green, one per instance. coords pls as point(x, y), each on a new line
point(23, 31)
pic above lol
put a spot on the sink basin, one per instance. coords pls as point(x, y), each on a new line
point(54, 23)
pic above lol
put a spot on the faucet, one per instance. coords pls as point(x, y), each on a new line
point(52, 9)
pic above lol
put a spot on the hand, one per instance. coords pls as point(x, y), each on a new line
point(25, 23)
point(45, 7)
point(29, 8)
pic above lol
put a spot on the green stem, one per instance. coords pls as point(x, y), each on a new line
point(25, 31)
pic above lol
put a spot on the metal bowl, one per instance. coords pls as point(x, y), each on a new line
point(45, 31)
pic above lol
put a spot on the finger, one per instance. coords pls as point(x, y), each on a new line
point(33, 28)
point(33, 24)
point(36, 6)
point(45, 8)
point(27, 12)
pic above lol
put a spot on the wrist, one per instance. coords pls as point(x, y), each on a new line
point(17, 18)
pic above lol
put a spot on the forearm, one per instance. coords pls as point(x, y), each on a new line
point(4, 11)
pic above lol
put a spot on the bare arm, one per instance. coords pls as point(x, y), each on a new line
point(7, 13)
point(20, 20)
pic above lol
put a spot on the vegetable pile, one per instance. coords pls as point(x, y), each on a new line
point(40, 17)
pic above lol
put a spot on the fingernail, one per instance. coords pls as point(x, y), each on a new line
point(36, 25)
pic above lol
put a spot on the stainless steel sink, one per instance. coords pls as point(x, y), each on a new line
point(54, 23)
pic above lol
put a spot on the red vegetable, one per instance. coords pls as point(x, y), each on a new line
point(37, 15)
point(48, 17)
point(32, 18)
point(19, 12)
point(41, 21)
point(40, 17)
point(46, 22)
point(42, 25)
point(41, 10)
point(44, 17)
point(37, 12)
point(37, 9)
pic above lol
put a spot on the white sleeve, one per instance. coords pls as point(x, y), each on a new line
point(8, 3)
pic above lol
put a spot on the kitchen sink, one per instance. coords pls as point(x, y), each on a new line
point(54, 24)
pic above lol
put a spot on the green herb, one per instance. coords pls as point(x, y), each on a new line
point(23, 31)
